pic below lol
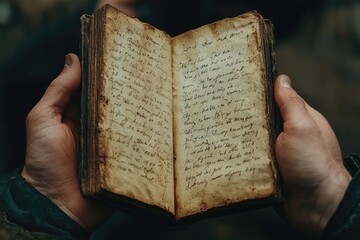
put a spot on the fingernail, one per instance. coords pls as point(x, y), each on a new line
point(68, 61)
point(285, 81)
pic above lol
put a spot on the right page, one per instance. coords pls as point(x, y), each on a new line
point(223, 147)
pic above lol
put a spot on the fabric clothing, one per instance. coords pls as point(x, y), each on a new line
point(23, 205)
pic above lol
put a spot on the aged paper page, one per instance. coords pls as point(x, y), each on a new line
point(221, 137)
point(135, 113)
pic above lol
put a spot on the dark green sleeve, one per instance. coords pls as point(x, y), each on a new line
point(27, 214)
point(345, 223)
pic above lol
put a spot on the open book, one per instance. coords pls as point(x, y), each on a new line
point(184, 126)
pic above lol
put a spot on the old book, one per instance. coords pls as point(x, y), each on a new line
point(183, 127)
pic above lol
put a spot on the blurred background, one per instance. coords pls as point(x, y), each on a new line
point(317, 45)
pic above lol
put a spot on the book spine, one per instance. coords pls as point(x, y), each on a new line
point(83, 156)
point(276, 121)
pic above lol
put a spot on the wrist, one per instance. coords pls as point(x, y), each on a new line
point(312, 209)
point(88, 213)
point(27, 207)
point(67, 197)
point(330, 195)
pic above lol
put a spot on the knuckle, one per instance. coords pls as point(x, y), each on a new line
point(303, 127)
point(296, 99)
point(288, 106)
point(57, 87)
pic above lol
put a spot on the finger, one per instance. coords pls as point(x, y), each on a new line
point(292, 107)
point(60, 90)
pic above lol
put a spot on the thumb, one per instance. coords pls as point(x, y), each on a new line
point(293, 108)
point(60, 90)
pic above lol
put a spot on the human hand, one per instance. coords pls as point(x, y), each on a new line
point(309, 160)
point(51, 151)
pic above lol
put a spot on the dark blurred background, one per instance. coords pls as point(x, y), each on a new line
point(317, 44)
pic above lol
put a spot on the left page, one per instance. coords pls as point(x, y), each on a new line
point(135, 144)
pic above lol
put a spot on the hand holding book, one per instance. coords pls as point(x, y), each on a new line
point(52, 131)
point(310, 161)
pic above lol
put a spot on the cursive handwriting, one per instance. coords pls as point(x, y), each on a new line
point(136, 105)
point(222, 108)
